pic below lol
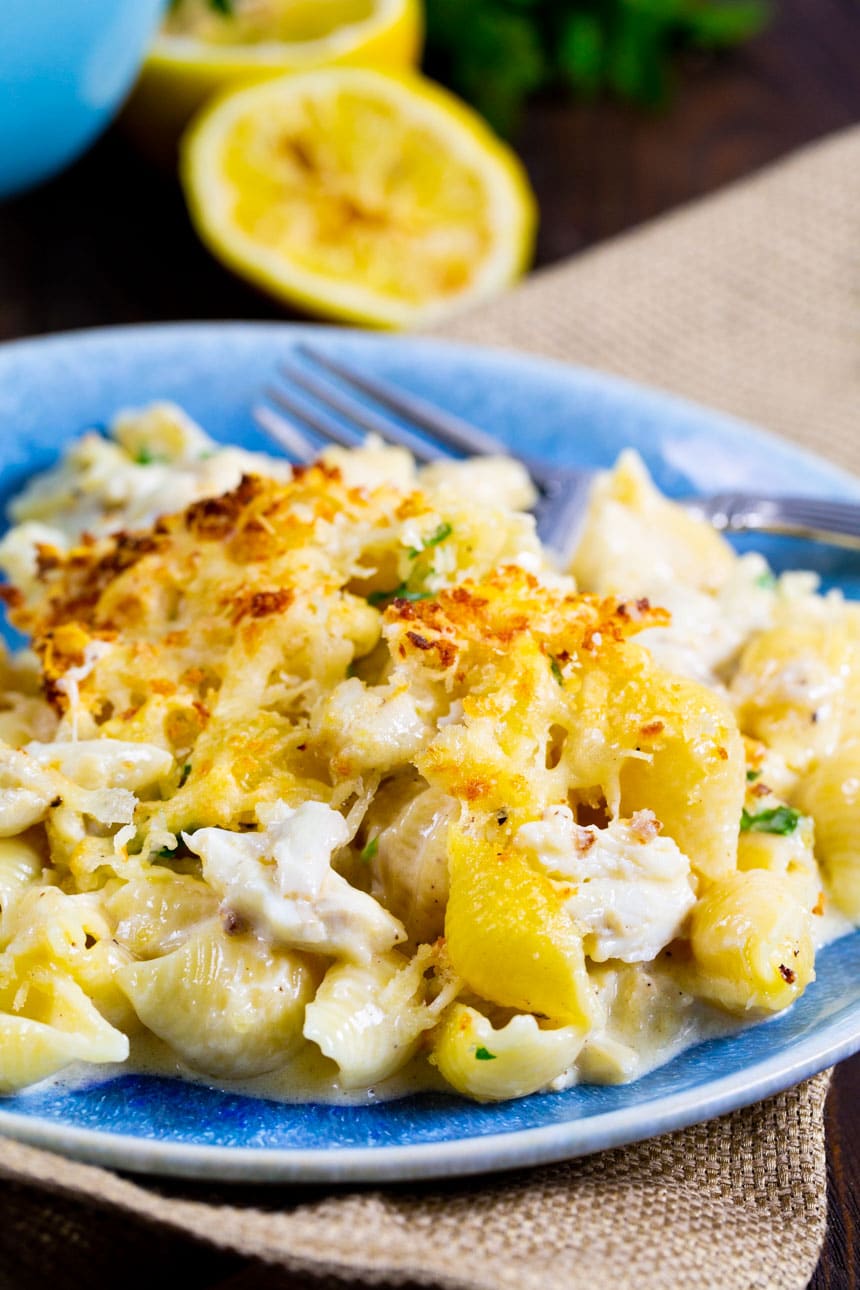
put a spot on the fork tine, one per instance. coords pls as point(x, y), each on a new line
point(444, 426)
point(561, 513)
point(349, 408)
point(284, 434)
point(321, 424)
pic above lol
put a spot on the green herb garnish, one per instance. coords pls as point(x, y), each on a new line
point(497, 53)
point(225, 7)
point(753, 775)
point(779, 819)
point(766, 580)
point(406, 591)
point(442, 532)
point(369, 851)
point(555, 668)
point(186, 771)
point(398, 593)
point(484, 1055)
point(166, 853)
point(146, 458)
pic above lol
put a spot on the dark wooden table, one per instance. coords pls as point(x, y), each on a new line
point(109, 242)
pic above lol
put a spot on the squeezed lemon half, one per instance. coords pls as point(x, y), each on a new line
point(201, 51)
point(371, 197)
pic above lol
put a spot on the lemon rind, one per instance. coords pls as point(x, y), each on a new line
point(176, 52)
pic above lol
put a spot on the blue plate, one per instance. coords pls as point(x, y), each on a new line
point(52, 389)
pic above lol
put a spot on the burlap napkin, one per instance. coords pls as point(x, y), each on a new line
point(749, 301)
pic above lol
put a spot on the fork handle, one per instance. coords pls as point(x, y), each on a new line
point(820, 519)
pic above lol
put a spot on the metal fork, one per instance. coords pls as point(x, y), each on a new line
point(432, 434)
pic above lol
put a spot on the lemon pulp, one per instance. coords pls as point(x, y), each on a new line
point(359, 195)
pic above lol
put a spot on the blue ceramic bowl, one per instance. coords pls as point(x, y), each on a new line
point(65, 67)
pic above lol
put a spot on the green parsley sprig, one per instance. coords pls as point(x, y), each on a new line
point(147, 458)
point(226, 8)
point(403, 592)
point(779, 819)
point(369, 851)
point(413, 588)
point(442, 532)
point(496, 53)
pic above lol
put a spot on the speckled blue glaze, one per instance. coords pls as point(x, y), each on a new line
point(52, 389)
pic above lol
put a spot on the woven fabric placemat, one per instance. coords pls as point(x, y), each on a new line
point(734, 1204)
point(749, 301)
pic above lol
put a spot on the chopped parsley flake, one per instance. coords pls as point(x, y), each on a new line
point(753, 775)
point(766, 580)
point(166, 853)
point(556, 670)
point(402, 592)
point(484, 1055)
point(442, 532)
point(779, 819)
point(146, 458)
point(186, 771)
point(370, 850)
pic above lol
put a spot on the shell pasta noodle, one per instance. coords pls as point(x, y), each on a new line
point(325, 783)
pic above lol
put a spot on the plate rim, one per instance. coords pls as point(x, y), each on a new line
point(595, 376)
point(461, 1157)
point(492, 1152)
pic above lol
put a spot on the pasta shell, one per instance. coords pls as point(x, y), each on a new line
point(831, 795)
point(47, 1024)
point(155, 912)
point(751, 941)
point(20, 868)
point(634, 535)
point(493, 1065)
point(790, 689)
point(411, 865)
point(71, 933)
point(692, 774)
point(369, 1018)
point(227, 1005)
point(509, 936)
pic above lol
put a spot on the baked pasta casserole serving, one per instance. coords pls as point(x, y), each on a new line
point(325, 783)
